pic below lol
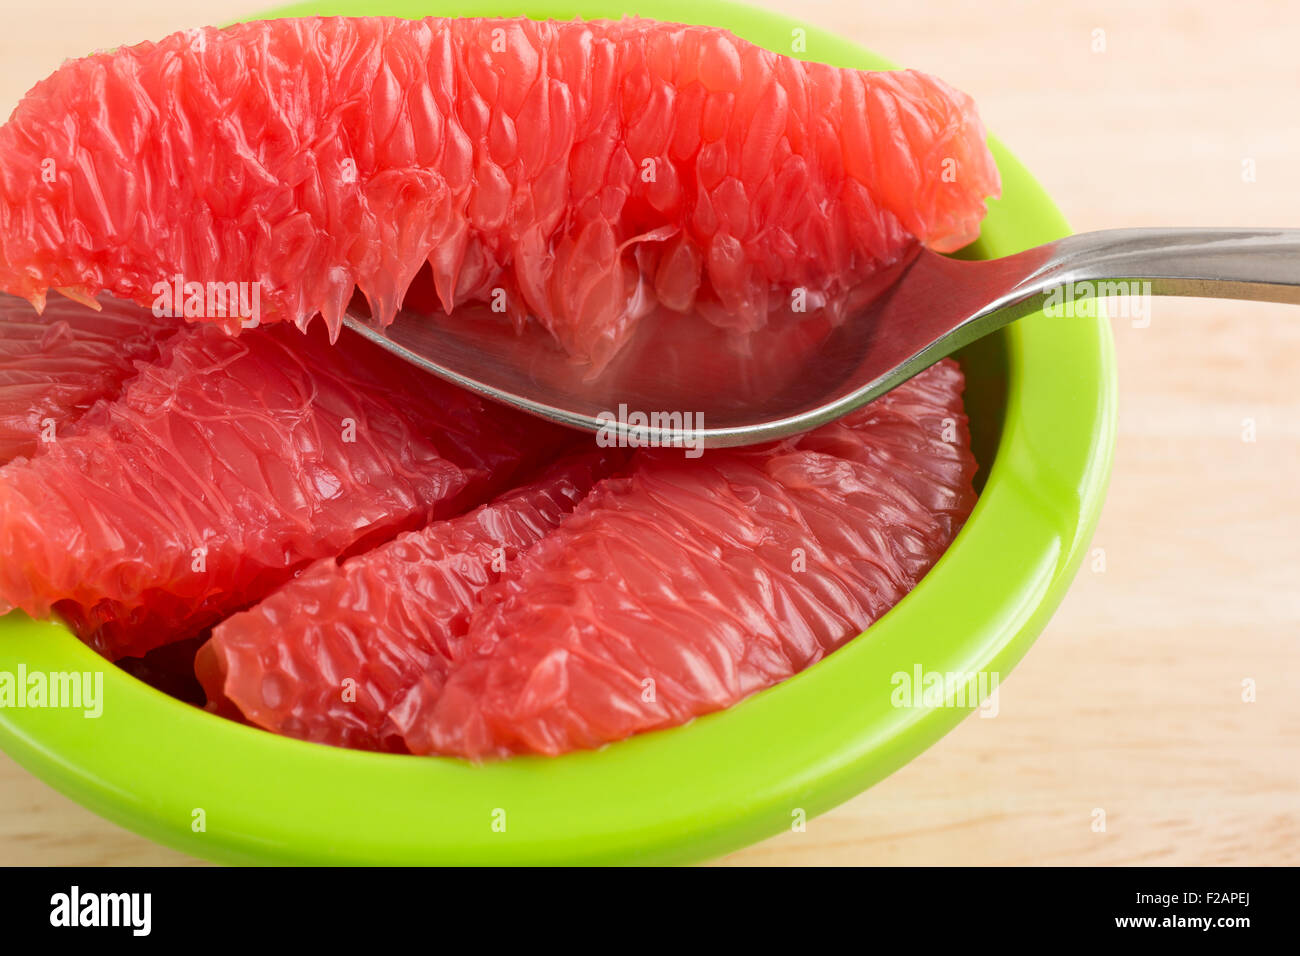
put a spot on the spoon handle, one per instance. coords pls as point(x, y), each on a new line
point(1262, 264)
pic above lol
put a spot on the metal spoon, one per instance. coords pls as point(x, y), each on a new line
point(801, 373)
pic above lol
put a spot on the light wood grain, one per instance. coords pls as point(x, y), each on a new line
point(1131, 700)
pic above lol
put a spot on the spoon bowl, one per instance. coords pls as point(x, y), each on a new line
point(684, 381)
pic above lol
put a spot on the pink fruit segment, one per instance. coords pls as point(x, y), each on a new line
point(585, 170)
point(384, 620)
point(685, 586)
point(230, 464)
point(55, 366)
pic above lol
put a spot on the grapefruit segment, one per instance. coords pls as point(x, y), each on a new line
point(685, 586)
point(229, 465)
point(383, 621)
point(579, 173)
point(55, 366)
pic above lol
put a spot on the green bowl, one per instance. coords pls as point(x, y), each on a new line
point(1041, 396)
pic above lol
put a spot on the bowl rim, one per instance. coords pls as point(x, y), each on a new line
point(232, 793)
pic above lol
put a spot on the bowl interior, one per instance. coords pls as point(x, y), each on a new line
point(1041, 399)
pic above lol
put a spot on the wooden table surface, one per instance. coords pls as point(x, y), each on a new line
point(1131, 701)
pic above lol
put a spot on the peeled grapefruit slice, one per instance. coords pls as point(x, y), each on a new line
point(327, 656)
point(55, 366)
point(575, 172)
point(232, 463)
point(685, 586)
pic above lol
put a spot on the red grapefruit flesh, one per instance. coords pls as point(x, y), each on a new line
point(383, 620)
point(578, 173)
point(685, 586)
point(55, 366)
point(232, 463)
